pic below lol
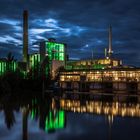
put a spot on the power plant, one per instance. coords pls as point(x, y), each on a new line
point(78, 75)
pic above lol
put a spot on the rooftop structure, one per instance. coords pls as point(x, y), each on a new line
point(107, 62)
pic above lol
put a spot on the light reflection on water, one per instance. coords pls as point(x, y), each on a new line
point(54, 119)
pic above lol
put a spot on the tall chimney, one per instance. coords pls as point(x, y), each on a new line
point(110, 42)
point(25, 36)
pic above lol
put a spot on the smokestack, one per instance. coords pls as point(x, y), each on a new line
point(110, 42)
point(25, 36)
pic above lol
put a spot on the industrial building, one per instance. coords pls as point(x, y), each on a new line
point(12, 65)
point(102, 75)
point(51, 56)
point(7, 66)
point(82, 75)
point(34, 65)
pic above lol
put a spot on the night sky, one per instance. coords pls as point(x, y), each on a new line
point(82, 24)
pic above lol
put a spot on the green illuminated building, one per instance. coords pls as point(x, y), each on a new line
point(51, 51)
point(54, 50)
point(34, 64)
point(7, 66)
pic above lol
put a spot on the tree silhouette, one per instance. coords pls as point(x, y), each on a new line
point(10, 57)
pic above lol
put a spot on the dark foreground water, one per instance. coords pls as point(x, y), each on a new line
point(68, 119)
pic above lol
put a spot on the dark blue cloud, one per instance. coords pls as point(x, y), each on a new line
point(76, 22)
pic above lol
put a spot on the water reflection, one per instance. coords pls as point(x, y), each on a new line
point(51, 113)
point(9, 115)
point(101, 107)
point(46, 111)
point(50, 116)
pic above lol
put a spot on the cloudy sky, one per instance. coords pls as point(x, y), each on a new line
point(82, 24)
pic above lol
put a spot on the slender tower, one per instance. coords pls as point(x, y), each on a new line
point(25, 36)
point(110, 42)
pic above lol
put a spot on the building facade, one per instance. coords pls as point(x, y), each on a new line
point(112, 79)
point(7, 66)
point(52, 55)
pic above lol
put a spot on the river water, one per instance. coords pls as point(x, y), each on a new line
point(68, 119)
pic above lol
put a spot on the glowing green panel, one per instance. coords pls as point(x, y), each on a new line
point(32, 59)
point(14, 66)
point(61, 56)
point(2, 67)
point(61, 48)
point(38, 58)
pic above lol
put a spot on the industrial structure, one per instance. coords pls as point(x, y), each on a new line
point(50, 57)
point(101, 75)
point(25, 36)
point(82, 75)
point(53, 55)
point(7, 66)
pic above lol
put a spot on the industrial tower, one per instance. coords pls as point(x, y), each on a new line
point(25, 36)
point(110, 52)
